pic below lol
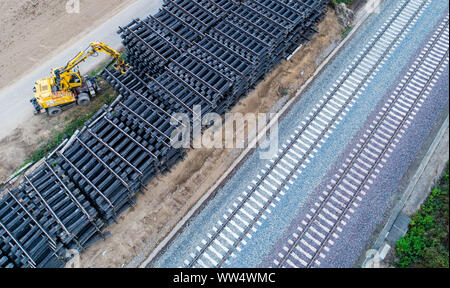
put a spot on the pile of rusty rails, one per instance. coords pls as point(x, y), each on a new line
point(192, 52)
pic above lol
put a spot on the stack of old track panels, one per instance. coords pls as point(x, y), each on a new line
point(288, 23)
point(260, 34)
point(210, 53)
point(112, 158)
point(105, 177)
point(45, 215)
point(151, 110)
point(202, 81)
point(23, 241)
point(252, 49)
point(232, 68)
point(61, 205)
point(239, 69)
point(153, 42)
point(149, 46)
point(199, 15)
point(153, 125)
point(151, 129)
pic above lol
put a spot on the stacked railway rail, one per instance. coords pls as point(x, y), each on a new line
point(309, 245)
point(230, 234)
point(198, 52)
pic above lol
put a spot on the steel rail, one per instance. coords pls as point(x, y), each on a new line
point(124, 183)
point(115, 152)
point(223, 34)
point(192, 89)
point(252, 24)
point(255, 37)
point(182, 21)
point(131, 138)
point(219, 59)
point(382, 57)
point(49, 208)
point(196, 77)
point(274, 12)
point(30, 259)
point(212, 68)
point(87, 180)
point(145, 43)
point(157, 107)
point(147, 123)
point(50, 238)
point(302, 13)
point(161, 36)
point(250, 62)
point(188, 13)
point(201, 7)
point(264, 16)
point(216, 5)
point(168, 28)
point(68, 192)
point(333, 120)
point(172, 95)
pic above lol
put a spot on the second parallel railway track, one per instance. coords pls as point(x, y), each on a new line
point(314, 236)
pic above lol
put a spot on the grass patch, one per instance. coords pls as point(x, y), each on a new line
point(59, 137)
point(284, 91)
point(97, 71)
point(346, 31)
point(337, 2)
point(426, 243)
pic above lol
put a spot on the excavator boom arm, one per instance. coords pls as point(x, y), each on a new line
point(102, 47)
point(93, 48)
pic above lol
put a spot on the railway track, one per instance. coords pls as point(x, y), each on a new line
point(250, 209)
point(322, 225)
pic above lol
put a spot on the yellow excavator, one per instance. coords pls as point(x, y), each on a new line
point(67, 87)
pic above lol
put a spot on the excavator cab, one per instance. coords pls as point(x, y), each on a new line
point(67, 80)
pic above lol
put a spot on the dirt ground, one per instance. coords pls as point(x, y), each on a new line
point(31, 31)
point(170, 197)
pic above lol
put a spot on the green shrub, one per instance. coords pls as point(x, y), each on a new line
point(346, 31)
point(337, 2)
point(426, 243)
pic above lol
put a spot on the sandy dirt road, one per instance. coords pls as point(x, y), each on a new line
point(36, 35)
